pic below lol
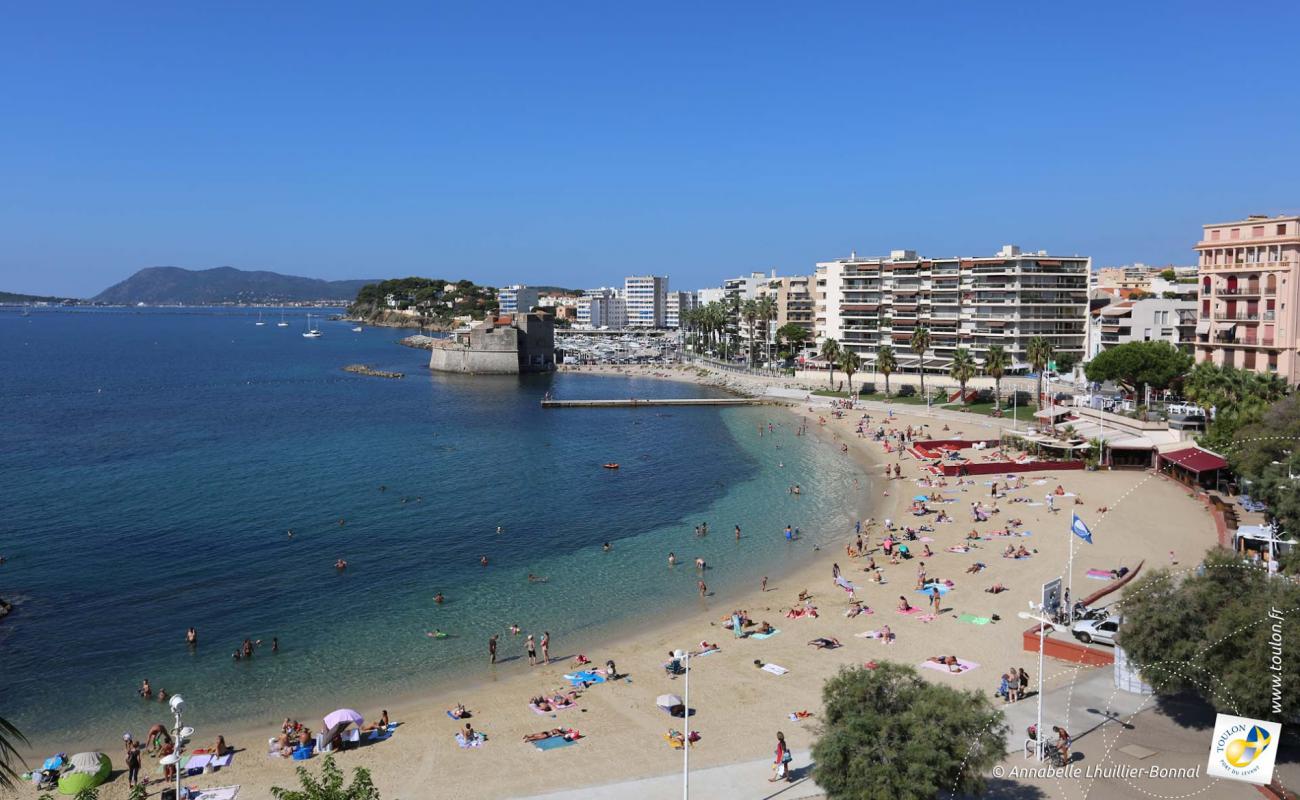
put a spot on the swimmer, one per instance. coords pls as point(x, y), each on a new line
point(483, 561)
point(500, 530)
point(672, 559)
point(435, 634)
point(536, 578)
point(340, 564)
point(605, 547)
point(514, 629)
point(438, 598)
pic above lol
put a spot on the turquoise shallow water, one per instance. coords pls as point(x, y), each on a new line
point(153, 461)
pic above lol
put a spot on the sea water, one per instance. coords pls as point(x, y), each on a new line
point(153, 461)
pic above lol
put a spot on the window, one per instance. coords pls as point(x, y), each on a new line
point(1281, 229)
point(1235, 233)
point(1257, 232)
point(1214, 236)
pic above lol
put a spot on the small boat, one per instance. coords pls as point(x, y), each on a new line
point(611, 466)
point(281, 323)
point(357, 329)
point(311, 333)
point(259, 319)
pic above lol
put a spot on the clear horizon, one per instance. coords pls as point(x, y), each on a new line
point(574, 146)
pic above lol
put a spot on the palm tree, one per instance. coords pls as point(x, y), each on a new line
point(9, 739)
point(920, 342)
point(995, 364)
point(1206, 386)
point(963, 369)
point(886, 363)
point(1039, 353)
point(749, 312)
point(766, 307)
point(831, 352)
point(849, 363)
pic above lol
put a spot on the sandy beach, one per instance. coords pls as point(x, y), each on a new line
point(739, 707)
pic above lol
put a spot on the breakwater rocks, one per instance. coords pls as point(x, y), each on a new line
point(362, 369)
point(419, 341)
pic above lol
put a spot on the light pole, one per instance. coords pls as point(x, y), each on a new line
point(1043, 624)
point(180, 734)
point(686, 735)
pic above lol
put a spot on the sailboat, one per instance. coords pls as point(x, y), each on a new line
point(259, 319)
point(311, 333)
point(282, 323)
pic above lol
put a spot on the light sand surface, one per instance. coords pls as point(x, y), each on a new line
point(740, 707)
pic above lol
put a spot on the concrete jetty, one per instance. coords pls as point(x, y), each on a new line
point(634, 402)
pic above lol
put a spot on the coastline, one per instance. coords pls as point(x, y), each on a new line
point(739, 706)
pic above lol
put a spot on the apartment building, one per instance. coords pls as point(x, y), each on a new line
point(517, 299)
point(646, 298)
point(678, 303)
point(1173, 321)
point(793, 297)
point(602, 308)
point(972, 302)
point(1249, 273)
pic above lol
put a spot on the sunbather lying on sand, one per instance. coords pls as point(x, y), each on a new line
point(765, 628)
point(825, 643)
point(996, 588)
point(551, 734)
point(458, 712)
point(948, 661)
point(976, 567)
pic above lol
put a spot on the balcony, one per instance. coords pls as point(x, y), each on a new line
point(1239, 291)
point(1239, 317)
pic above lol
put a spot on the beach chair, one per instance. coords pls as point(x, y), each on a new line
point(674, 668)
point(352, 736)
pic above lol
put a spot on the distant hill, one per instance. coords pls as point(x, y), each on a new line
point(11, 297)
point(170, 285)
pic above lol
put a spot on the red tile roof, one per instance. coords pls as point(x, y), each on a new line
point(1195, 459)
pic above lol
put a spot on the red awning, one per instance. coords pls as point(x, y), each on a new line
point(1195, 459)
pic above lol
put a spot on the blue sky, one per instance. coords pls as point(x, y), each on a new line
point(574, 143)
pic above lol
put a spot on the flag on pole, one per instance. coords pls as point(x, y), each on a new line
point(1081, 530)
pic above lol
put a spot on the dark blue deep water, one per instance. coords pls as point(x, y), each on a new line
point(151, 462)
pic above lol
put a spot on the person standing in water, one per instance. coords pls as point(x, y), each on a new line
point(546, 647)
point(492, 649)
point(531, 647)
point(738, 533)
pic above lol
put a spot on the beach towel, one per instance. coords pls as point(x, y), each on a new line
point(774, 632)
point(774, 669)
point(586, 676)
point(477, 741)
point(216, 793)
point(197, 762)
point(1102, 574)
point(926, 539)
point(552, 743)
point(224, 761)
point(912, 610)
point(554, 708)
point(706, 652)
point(868, 635)
point(963, 665)
point(943, 590)
point(974, 620)
point(958, 549)
point(927, 617)
point(1105, 577)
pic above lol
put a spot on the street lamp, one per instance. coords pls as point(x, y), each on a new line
point(180, 734)
point(1044, 623)
point(685, 657)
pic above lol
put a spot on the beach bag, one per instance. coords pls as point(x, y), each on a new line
point(786, 758)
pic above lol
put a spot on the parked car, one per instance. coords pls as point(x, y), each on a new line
point(1102, 631)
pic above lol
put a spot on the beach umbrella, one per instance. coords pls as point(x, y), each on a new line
point(668, 701)
point(336, 721)
point(920, 498)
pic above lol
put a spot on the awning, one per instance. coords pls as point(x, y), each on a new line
point(1194, 459)
point(1203, 326)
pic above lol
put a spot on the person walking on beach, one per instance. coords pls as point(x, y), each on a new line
point(935, 598)
point(492, 649)
point(132, 762)
point(783, 759)
point(531, 647)
point(546, 647)
point(763, 584)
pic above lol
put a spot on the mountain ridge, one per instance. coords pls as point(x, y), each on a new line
point(178, 285)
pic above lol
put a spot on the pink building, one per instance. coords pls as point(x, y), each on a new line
point(1249, 273)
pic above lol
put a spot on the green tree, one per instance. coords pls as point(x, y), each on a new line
point(749, 313)
point(1065, 362)
point(887, 734)
point(1039, 353)
point(330, 785)
point(830, 351)
point(963, 369)
point(1168, 273)
point(10, 737)
point(920, 342)
point(1208, 633)
point(792, 334)
point(849, 363)
point(1157, 364)
point(886, 363)
point(995, 364)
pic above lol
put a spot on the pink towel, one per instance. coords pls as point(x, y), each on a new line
point(963, 664)
point(912, 610)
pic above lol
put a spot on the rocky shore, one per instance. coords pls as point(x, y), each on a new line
point(362, 369)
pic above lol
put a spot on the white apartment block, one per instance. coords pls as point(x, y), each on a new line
point(602, 308)
point(646, 297)
point(517, 299)
point(970, 302)
point(678, 302)
point(1173, 321)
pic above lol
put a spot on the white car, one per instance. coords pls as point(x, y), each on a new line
point(1102, 631)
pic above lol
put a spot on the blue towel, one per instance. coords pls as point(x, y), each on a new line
point(577, 678)
point(552, 743)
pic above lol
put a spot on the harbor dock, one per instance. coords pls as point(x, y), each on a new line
point(633, 402)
